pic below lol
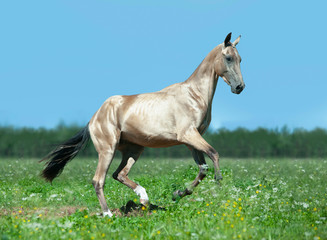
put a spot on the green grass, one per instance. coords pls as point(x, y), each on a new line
point(258, 198)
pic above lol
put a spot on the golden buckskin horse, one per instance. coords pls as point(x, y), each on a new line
point(178, 114)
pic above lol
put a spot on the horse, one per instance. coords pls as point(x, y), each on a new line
point(178, 114)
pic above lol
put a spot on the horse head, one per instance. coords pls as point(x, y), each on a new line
point(227, 64)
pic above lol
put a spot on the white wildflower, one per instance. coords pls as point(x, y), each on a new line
point(66, 224)
point(34, 225)
point(253, 196)
point(305, 205)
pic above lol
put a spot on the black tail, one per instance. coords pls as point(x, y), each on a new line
point(63, 153)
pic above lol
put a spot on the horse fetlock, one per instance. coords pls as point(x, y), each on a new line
point(140, 191)
point(107, 214)
point(180, 194)
point(176, 195)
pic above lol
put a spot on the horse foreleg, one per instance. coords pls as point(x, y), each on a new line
point(194, 139)
point(203, 168)
point(130, 155)
point(105, 160)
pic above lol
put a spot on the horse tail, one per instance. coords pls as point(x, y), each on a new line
point(57, 159)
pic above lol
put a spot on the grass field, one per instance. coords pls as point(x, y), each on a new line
point(258, 198)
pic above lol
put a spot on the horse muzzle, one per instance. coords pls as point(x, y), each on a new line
point(238, 89)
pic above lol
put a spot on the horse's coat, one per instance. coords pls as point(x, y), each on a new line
point(178, 114)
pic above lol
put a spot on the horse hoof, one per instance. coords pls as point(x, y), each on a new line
point(218, 179)
point(176, 195)
point(144, 202)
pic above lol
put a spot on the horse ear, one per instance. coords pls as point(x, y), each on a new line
point(237, 40)
point(227, 39)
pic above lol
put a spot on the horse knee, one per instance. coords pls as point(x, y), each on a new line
point(213, 154)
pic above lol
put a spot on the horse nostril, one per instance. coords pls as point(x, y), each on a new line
point(239, 87)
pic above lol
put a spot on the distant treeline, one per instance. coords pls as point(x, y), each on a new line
point(239, 143)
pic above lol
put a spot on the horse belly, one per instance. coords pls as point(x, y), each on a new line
point(152, 132)
point(153, 140)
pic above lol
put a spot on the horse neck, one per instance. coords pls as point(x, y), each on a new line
point(204, 79)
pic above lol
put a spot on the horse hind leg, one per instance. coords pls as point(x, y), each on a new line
point(106, 147)
point(130, 154)
point(98, 181)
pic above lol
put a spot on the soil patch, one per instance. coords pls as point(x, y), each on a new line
point(130, 209)
point(136, 209)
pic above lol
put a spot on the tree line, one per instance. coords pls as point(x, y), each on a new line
point(238, 143)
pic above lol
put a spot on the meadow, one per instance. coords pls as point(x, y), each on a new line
point(257, 199)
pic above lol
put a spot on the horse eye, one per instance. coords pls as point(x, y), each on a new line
point(229, 59)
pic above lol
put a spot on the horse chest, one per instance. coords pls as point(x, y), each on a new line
point(205, 122)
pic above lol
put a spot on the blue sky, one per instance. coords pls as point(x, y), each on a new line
point(60, 60)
